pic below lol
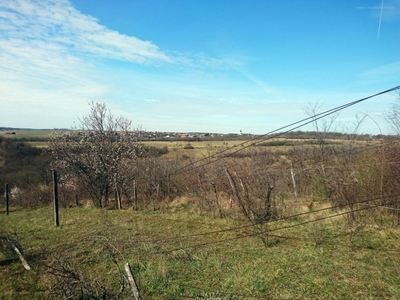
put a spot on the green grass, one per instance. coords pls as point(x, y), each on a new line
point(34, 137)
point(29, 133)
point(39, 144)
point(171, 259)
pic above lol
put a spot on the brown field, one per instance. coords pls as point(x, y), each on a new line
point(285, 218)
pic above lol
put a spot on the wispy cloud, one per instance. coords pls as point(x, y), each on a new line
point(58, 22)
point(51, 66)
point(48, 52)
point(388, 73)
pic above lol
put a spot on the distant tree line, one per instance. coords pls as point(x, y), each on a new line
point(23, 166)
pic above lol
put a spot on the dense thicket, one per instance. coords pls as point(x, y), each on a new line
point(24, 168)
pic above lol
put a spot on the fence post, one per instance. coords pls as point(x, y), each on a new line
point(268, 213)
point(158, 189)
point(294, 180)
point(135, 290)
point(55, 194)
point(6, 194)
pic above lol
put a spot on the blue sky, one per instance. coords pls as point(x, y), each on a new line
point(204, 65)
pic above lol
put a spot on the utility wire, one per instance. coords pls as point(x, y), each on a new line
point(183, 237)
point(271, 230)
point(266, 136)
point(278, 132)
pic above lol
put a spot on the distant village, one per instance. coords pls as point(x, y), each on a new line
point(144, 135)
point(190, 135)
point(42, 134)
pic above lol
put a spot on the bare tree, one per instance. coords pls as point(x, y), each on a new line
point(98, 152)
point(322, 126)
point(393, 116)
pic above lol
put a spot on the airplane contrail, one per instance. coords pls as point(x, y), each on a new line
point(380, 21)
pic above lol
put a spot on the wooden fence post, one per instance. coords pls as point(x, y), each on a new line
point(135, 290)
point(117, 194)
point(118, 198)
point(12, 244)
point(158, 193)
point(268, 213)
point(294, 180)
point(55, 194)
point(6, 194)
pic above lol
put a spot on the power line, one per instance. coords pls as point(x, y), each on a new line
point(271, 230)
point(297, 124)
point(183, 237)
point(277, 132)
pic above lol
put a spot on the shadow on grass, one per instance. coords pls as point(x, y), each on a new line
point(8, 261)
point(33, 260)
point(3, 212)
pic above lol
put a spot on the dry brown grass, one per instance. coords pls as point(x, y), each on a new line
point(180, 253)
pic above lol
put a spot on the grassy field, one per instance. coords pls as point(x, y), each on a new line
point(179, 253)
point(201, 148)
point(28, 133)
point(39, 138)
point(34, 137)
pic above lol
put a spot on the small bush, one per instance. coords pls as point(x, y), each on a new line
point(152, 151)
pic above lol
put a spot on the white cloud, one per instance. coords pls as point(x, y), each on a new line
point(58, 22)
point(47, 54)
point(388, 69)
point(388, 73)
point(51, 67)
